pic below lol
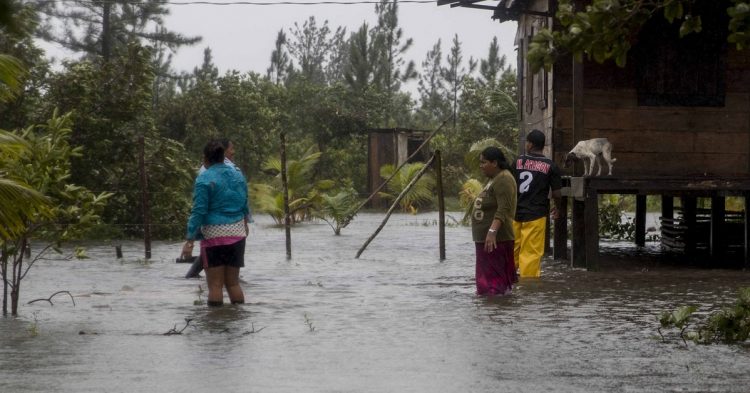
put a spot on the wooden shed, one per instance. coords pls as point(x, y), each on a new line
point(678, 116)
point(390, 146)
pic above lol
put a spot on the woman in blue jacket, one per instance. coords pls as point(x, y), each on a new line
point(219, 220)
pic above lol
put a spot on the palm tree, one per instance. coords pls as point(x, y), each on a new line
point(337, 209)
point(420, 193)
point(469, 192)
point(11, 74)
point(304, 193)
point(471, 159)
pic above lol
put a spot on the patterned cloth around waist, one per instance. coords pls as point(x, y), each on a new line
point(235, 229)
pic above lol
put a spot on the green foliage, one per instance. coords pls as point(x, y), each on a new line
point(70, 210)
point(739, 23)
point(419, 195)
point(678, 318)
point(304, 191)
point(18, 201)
point(605, 30)
point(338, 209)
point(11, 72)
point(111, 104)
point(79, 26)
point(730, 325)
point(611, 224)
point(46, 168)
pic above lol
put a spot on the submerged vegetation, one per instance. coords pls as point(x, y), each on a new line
point(729, 325)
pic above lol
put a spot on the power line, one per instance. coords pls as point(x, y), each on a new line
point(230, 3)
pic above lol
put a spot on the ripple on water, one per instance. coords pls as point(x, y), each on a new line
point(397, 319)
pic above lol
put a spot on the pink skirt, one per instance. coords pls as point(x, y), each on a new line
point(496, 270)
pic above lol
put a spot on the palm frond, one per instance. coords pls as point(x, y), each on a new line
point(11, 76)
point(469, 192)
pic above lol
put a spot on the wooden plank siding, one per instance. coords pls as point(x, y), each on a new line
point(536, 90)
point(661, 140)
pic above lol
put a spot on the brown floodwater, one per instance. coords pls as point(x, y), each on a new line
point(395, 320)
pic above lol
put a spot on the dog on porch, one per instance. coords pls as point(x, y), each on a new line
point(590, 151)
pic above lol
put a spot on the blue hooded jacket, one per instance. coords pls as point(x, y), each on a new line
point(219, 197)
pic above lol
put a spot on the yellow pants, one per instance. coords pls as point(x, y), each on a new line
point(529, 246)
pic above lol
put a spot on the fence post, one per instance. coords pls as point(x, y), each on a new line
point(441, 202)
point(285, 191)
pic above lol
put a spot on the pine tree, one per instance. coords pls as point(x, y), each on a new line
point(106, 28)
point(492, 68)
point(391, 68)
point(455, 74)
point(358, 71)
point(433, 105)
point(310, 47)
point(280, 63)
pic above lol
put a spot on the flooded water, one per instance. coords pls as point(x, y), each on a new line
point(395, 320)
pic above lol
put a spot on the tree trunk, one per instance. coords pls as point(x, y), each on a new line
point(15, 292)
point(4, 262)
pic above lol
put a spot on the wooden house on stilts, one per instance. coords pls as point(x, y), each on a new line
point(678, 116)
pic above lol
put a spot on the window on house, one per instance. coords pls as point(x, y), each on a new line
point(688, 71)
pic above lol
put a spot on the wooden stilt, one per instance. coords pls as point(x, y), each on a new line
point(718, 213)
point(560, 249)
point(747, 230)
point(579, 233)
point(591, 217)
point(667, 206)
point(640, 220)
point(689, 209)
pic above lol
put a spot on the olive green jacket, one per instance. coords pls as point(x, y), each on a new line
point(497, 200)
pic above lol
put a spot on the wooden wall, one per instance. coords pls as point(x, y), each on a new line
point(658, 140)
point(535, 90)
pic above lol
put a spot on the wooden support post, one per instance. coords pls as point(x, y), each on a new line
point(591, 217)
point(579, 233)
point(560, 249)
point(667, 206)
point(118, 251)
point(747, 230)
point(144, 198)
point(689, 210)
point(718, 214)
point(285, 191)
point(579, 133)
point(640, 220)
point(441, 203)
point(579, 221)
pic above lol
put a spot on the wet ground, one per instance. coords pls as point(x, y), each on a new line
point(395, 320)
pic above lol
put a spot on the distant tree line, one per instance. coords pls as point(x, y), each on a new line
point(324, 87)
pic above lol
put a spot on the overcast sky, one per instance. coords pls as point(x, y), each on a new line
point(242, 37)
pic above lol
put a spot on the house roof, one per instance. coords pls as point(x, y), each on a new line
point(504, 10)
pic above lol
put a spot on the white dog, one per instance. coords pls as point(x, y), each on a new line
point(589, 151)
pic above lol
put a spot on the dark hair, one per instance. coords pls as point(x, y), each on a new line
point(213, 152)
point(536, 138)
point(493, 153)
point(225, 142)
